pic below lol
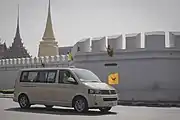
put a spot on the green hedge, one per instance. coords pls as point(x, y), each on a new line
point(8, 91)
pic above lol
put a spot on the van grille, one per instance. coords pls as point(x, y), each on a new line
point(108, 92)
point(110, 99)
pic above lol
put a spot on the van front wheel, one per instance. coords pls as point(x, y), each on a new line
point(105, 109)
point(80, 104)
point(24, 101)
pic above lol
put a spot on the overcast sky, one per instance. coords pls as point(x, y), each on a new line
point(77, 19)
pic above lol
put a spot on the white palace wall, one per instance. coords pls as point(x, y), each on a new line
point(10, 67)
point(150, 73)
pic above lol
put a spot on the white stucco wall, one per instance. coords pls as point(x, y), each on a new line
point(150, 73)
point(7, 78)
point(144, 75)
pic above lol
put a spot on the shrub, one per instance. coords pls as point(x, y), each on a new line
point(8, 91)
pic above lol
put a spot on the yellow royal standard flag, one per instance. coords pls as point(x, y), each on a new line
point(113, 78)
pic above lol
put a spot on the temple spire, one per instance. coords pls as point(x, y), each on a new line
point(48, 46)
point(17, 35)
point(48, 33)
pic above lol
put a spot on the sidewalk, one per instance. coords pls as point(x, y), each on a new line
point(6, 95)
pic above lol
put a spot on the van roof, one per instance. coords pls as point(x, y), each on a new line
point(50, 68)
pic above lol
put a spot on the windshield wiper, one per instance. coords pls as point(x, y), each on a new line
point(89, 80)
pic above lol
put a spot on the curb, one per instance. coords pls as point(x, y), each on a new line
point(149, 104)
point(128, 103)
point(6, 95)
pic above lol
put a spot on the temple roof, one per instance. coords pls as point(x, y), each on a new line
point(17, 50)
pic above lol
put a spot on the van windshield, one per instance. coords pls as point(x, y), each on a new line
point(86, 75)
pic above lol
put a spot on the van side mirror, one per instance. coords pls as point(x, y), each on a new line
point(71, 80)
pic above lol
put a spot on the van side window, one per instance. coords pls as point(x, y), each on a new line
point(28, 76)
point(24, 77)
point(51, 76)
point(32, 76)
point(64, 75)
point(46, 76)
point(42, 76)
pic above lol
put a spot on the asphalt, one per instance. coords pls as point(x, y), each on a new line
point(10, 110)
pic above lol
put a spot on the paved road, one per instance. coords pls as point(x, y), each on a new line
point(11, 111)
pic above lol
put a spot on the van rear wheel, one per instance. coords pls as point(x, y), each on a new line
point(24, 101)
point(49, 106)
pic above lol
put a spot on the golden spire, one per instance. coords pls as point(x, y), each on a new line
point(48, 33)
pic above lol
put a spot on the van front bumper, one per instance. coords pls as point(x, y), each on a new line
point(98, 100)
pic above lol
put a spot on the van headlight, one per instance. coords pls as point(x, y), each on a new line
point(93, 91)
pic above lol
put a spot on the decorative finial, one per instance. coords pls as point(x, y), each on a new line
point(18, 15)
point(17, 36)
point(49, 8)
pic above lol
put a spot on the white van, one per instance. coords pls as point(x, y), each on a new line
point(66, 87)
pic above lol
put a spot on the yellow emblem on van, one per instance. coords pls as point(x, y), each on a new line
point(113, 78)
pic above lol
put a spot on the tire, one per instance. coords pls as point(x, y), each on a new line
point(105, 109)
point(80, 105)
point(49, 106)
point(23, 101)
